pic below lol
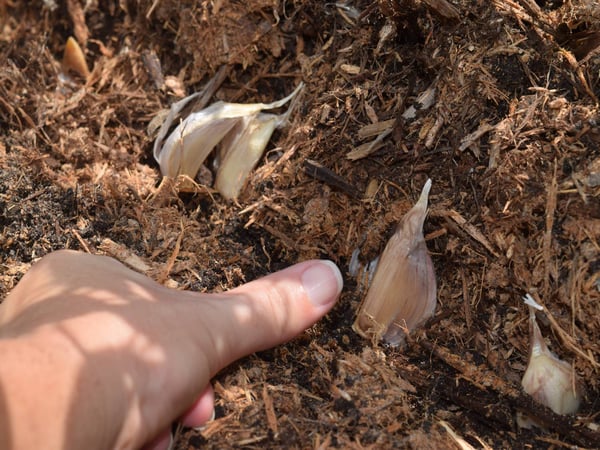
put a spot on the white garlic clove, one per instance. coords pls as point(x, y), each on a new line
point(188, 146)
point(241, 150)
point(549, 380)
point(190, 143)
point(402, 295)
point(163, 122)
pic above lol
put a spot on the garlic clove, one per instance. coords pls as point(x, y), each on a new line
point(188, 148)
point(241, 150)
point(402, 295)
point(549, 380)
point(74, 59)
point(190, 143)
point(163, 122)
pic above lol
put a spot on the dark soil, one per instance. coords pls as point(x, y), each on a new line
point(511, 142)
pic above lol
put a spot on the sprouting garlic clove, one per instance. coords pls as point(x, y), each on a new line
point(402, 295)
point(549, 380)
point(189, 144)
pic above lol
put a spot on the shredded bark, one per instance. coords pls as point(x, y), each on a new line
point(496, 102)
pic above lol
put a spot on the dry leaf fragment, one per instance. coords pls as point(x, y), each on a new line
point(443, 8)
point(402, 295)
point(74, 59)
point(425, 100)
point(383, 129)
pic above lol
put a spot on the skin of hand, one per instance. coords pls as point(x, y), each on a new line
point(95, 355)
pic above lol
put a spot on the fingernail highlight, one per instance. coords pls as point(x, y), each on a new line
point(322, 282)
point(203, 426)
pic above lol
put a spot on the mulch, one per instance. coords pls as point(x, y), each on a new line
point(496, 102)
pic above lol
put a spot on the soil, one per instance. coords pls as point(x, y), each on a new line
point(509, 134)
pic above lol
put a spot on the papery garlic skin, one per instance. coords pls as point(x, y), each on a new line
point(402, 295)
point(190, 143)
point(549, 380)
point(188, 146)
point(242, 150)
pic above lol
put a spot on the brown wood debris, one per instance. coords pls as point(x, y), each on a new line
point(509, 132)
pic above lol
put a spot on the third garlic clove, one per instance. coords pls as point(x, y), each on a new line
point(402, 295)
point(549, 380)
point(241, 151)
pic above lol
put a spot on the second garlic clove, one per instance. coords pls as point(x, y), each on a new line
point(403, 292)
point(242, 149)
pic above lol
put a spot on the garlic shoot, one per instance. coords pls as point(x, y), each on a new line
point(402, 295)
point(239, 125)
point(549, 380)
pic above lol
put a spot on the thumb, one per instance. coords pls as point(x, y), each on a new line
point(271, 310)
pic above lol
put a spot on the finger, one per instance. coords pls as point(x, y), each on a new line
point(164, 441)
point(202, 411)
point(269, 311)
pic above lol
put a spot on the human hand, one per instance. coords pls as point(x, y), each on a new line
point(95, 355)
